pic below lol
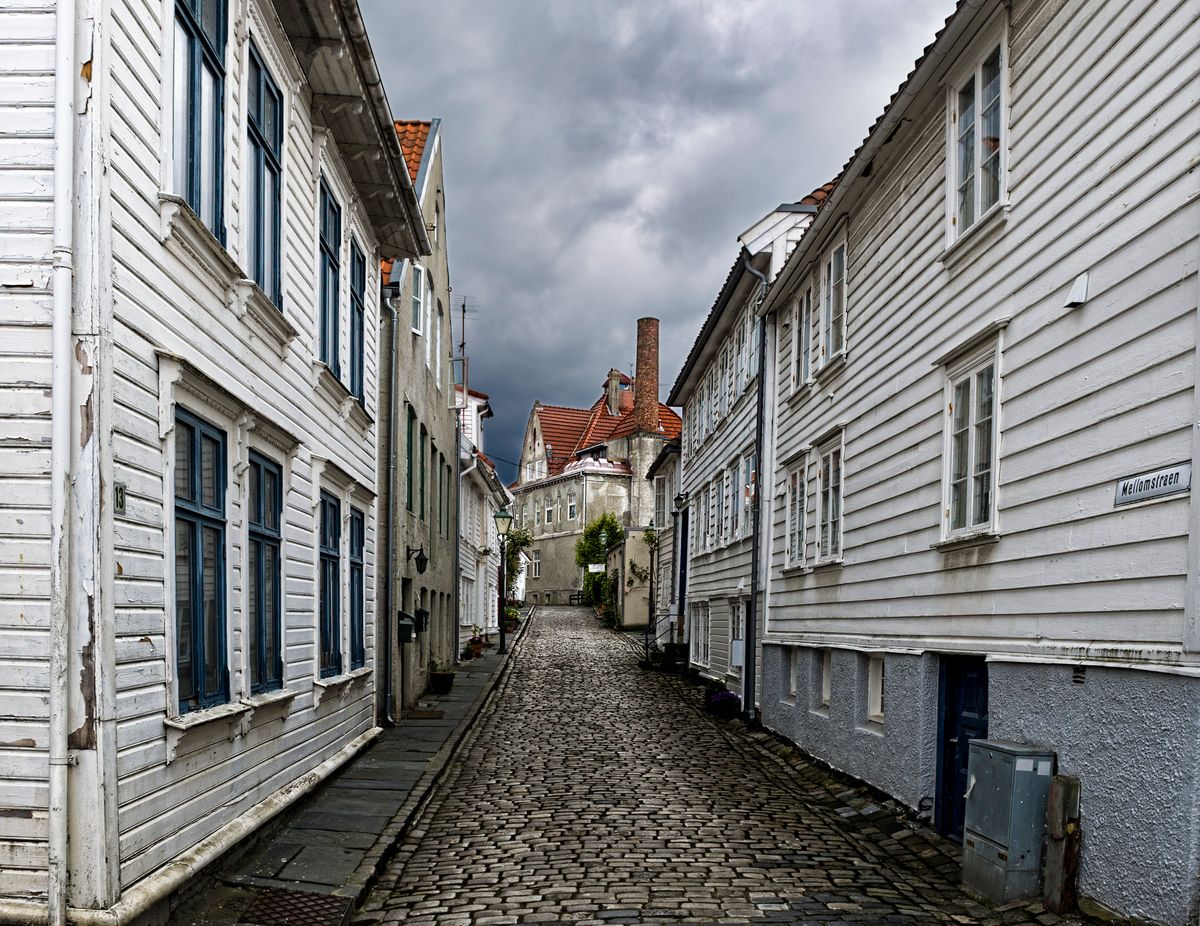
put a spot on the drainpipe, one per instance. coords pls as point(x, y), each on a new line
point(388, 609)
point(750, 681)
point(461, 476)
point(60, 452)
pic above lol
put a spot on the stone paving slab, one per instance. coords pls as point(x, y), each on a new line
point(593, 792)
point(336, 840)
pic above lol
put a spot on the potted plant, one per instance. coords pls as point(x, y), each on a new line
point(511, 618)
point(476, 643)
point(720, 702)
point(441, 677)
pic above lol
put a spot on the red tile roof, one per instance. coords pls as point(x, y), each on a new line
point(670, 424)
point(413, 135)
point(562, 428)
point(818, 196)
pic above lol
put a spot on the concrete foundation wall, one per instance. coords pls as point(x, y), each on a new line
point(897, 756)
point(1130, 737)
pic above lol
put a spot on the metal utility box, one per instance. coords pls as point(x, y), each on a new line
point(1007, 788)
point(405, 631)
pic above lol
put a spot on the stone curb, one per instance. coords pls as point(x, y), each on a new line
point(360, 883)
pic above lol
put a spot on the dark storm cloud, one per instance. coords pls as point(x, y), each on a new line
point(602, 158)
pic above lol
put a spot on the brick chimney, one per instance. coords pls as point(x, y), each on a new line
point(612, 392)
point(645, 385)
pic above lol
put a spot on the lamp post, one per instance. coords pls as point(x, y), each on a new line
point(503, 523)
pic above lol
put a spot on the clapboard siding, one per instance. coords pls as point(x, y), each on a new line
point(162, 303)
point(26, 201)
point(1102, 124)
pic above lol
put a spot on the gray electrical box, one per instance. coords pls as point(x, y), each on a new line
point(1007, 787)
point(405, 631)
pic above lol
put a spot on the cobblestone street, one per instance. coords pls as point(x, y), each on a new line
point(594, 792)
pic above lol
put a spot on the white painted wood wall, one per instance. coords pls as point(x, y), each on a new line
point(1102, 131)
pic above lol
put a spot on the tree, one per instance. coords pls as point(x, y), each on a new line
point(518, 539)
point(588, 550)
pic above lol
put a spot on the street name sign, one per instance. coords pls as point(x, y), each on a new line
point(1170, 480)
point(595, 567)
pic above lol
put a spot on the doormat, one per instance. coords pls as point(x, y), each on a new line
point(277, 907)
point(426, 715)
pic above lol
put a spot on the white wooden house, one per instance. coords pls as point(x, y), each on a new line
point(982, 425)
point(197, 199)
point(481, 494)
point(718, 389)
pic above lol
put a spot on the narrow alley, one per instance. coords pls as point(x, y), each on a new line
point(594, 792)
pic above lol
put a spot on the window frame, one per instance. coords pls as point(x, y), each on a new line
point(572, 510)
point(876, 699)
point(826, 691)
point(263, 542)
point(198, 517)
point(410, 474)
point(535, 564)
point(358, 588)
point(993, 37)
point(828, 354)
point(358, 331)
point(802, 369)
point(330, 256)
point(796, 543)
point(266, 159)
point(329, 584)
point(966, 369)
point(831, 553)
point(417, 299)
point(211, 55)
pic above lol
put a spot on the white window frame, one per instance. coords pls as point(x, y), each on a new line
point(802, 368)
point(535, 564)
point(831, 553)
point(722, 508)
point(965, 369)
point(572, 512)
point(749, 472)
point(993, 36)
point(828, 354)
point(797, 505)
point(700, 642)
point(737, 634)
point(549, 511)
point(876, 680)
point(793, 668)
point(660, 501)
point(416, 282)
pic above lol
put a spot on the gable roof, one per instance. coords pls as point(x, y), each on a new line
point(562, 428)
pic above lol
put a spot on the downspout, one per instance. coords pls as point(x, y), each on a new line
point(750, 680)
point(461, 475)
point(389, 575)
point(60, 453)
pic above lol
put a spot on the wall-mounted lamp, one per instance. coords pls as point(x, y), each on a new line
point(422, 559)
point(681, 501)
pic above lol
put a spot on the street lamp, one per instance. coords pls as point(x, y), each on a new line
point(503, 522)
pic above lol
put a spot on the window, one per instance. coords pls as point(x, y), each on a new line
point(410, 470)
point(700, 632)
point(549, 510)
point(537, 511)
point(722, 527)
point(739, 356)
point(793, 672)
point(875, 689)
point(331, 251)
point(736, 493)
point(802, 339)
point(201, 663)
point(571, 511)
point(976, 142)
point(753, 333)
point(358, 534)
point(710, 539)
point(358, 311)
point(428, 309)
point(199, 108)
point(970, 498)
point(264, 177)
point(437, 342)
point(749, 476)
point(424, 469)
point(418, 299)
point(330, 586)
point(826, 676)
point(797, 498)
point(535, 566)
point(263, 574)
point(833, 293)
point(737, 633)
point(829, 500)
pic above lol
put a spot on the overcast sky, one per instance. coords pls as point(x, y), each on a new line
point(602, 156)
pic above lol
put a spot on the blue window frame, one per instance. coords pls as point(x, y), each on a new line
point(358, 535)
point(199, 107)
point(264, 577)
point(424, 466)
point(331, 264)
point(201, 665)
point(358, 309)
point(410, 469)
point(331, 585)
point(264, 126)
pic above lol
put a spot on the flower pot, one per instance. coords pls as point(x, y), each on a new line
point(476, 650)
point(510, 626)
point(441, 682)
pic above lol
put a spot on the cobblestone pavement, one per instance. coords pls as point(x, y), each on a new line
point(594, 792)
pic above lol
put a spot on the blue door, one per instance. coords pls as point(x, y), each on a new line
point(962, 717)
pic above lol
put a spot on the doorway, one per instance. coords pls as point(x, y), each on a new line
point(962, 717)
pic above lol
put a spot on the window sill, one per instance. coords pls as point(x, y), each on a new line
point(338, 393)
point(988, 226)
point(359, 415)
point(338, 685)
point(836, 363)
point(798, 570)
point(820, 711)
point(873, 726)
point(829, 565)
point(236, 716)
point(264, 319)
point(185, 233)
point(279, 699)
point(962, 541)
